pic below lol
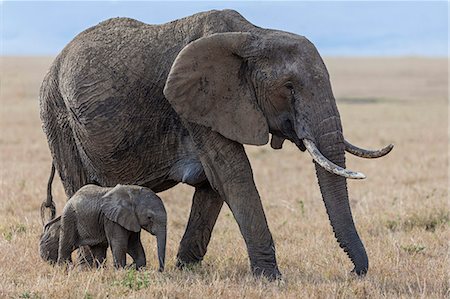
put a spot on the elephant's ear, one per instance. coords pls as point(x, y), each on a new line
point(118, 207)
point(207, 85)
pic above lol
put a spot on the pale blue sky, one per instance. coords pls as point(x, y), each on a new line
point(337, 28)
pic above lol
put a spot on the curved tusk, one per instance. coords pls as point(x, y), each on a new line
point(368, 154)
point(328, 165)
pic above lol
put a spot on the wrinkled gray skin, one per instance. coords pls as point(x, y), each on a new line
point(49, 241)
point(122, 103)
point(97, 217)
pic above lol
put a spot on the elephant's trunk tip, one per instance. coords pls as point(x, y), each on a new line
point(358, 257)
point(361, 269)
point(161, 244)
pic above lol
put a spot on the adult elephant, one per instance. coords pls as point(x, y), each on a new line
point(155, 105)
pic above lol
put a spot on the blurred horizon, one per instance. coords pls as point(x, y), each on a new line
point(337, 28)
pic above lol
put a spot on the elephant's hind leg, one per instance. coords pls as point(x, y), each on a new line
point(68, 237)
point(206, 206)
point(91, 256)
point(60, 136)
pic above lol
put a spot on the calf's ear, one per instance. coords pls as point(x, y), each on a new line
point(118, 207)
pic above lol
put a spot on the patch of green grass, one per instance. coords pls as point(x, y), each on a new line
point(9, 232)
point(393, 225)
point(413, 248)
point(135, 280)
point(429, 222)
point(193, 267)
point(7, 235)
point(20, 228)
point(29, 295)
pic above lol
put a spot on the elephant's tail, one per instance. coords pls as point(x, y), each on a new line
point(49, 203)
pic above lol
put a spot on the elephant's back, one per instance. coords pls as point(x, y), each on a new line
point(88, 196)
point(118, 65)
point(113, 56)
point(129, 48)
point(122, 64)
point(111, 79)
point(86, 203)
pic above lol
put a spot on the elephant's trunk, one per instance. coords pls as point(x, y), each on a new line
point(161, 237)
point(324, 140)
point(335, 195)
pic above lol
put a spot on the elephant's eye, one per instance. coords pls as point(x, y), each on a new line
point(290, 86)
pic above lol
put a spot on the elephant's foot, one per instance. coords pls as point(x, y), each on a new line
point(263, 261)
point(192, 249)
point(187, 260)
point(140, 264)
point(85, 257)
point(271, 273)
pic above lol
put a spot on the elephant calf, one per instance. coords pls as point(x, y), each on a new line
point(97, 217)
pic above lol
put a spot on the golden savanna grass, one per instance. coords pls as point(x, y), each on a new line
point(401, 209)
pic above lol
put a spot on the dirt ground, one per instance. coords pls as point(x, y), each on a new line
point(401, 210)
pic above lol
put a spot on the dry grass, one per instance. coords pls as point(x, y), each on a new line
point(401, 210)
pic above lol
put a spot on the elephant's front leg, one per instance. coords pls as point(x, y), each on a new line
point(206, 206)
point(99, 254)
point(118, 241)
point(228, 170)
point(85, 257)
point(136, 250)
point(243, 199)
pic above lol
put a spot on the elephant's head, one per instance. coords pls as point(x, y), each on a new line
point(135, 207)
point(49, 241)
point(247, 85)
